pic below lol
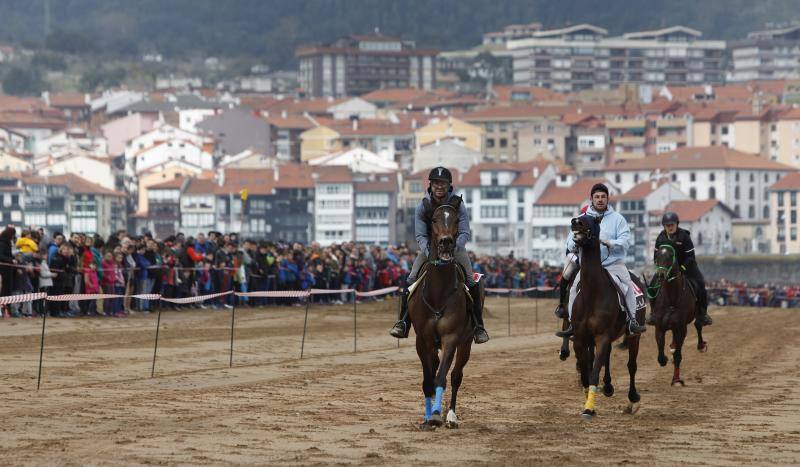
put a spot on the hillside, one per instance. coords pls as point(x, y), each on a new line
point(269, 30)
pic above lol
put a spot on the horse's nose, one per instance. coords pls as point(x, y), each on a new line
point(445, 241)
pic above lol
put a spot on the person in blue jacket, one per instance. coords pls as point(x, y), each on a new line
point(615, 238)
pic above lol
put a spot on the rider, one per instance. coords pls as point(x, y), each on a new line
point(440, 192)
point(614, 238)
point(570, 269)
point(681, 240)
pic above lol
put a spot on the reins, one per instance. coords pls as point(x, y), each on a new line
point(440, 312)
point(657, 287)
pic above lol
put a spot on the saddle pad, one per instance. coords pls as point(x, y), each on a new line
point(413, 287)
point(641, 302)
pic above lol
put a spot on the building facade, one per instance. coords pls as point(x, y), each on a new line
point(585, 57)
point(356, 65)
point(769, 54)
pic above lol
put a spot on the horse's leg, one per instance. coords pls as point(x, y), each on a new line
point(660, 340)
point(564, 353)
point(598, 350)
point(462, 357)
point(679, 337)
point(425, 357)
point(608, 388)
point(581, 360)
point(633, 395)
point(702, 346)
point(440, 381)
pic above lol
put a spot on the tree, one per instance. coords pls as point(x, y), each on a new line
point(23, 82)
point(102, 78)
point(49, 61)
point(69, 42)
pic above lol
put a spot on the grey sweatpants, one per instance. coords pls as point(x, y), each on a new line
point(461, 257)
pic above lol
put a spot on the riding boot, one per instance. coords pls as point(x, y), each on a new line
point(481, 335)
point(403, 325)
point(563, 291)
point(634, 327)
point(701, 316)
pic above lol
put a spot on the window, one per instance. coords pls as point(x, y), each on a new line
point(737, 176)
point(489, 142)
point(693, 193)
point(495, 234)
point(537, 142)
point(780, 198)
point(736, 193)
point(494, 212)
point(617, 178)
point(674, 177)
point(793, 216)
point(711, 176)
point(712, 193)
point(736, 211)
point(520, 195)
point(793, 233)
point(503, 142)
point(752, 194)
point(692, 177)
point(752, 177)
point(700, 238)
point(521, 214)
point(635, 178)
point(766, 212)
point(751, 212)
point(793, 199)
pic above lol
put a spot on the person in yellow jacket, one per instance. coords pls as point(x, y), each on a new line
point(26, 244)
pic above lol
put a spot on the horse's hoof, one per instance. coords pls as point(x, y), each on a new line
point(588, 414)
point(452, 420)
point(424, 426)
point(435, 420)
point(608, 390)
point(678, 383)
point(631, 408)
point(702, 347)
point(662, 360)
point(563, 355)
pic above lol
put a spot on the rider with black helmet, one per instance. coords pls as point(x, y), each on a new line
point(440, 191)
point(681, 240)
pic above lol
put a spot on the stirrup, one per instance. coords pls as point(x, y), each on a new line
point(481, 336)
point(566, 332)
point(399, 330)
point(635, 328)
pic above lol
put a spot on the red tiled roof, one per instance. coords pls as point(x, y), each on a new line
point(790, 181)
point(574, 195)
point(691, 210)
point(711, 157)
point(292, 122)
point(370, 127)
point(389, 186)
point(175, 183)
point(504, 93)
point(516, 112)
point(334, 174)
point(395, 95)
point(68, 100)
point(524, 171)
point(74, 183)
point(201, 186)
point(641, 190)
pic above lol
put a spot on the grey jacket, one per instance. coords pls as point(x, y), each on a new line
point(421, 228)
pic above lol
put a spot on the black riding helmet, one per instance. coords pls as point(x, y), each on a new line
point(670, 217)
point(440, 173)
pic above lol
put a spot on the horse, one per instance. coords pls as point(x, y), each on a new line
point(674, 306)
point(598, 320)
point(440, 317)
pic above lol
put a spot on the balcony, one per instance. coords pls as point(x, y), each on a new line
point(625, 124)
point(629, 140)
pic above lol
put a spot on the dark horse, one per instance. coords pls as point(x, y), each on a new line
point(439, 314)
point(598, 320)
point(674, 307)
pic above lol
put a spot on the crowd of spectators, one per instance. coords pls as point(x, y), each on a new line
point(727, 293)
point(184, 266)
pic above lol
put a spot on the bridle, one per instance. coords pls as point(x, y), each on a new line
point(654, 290)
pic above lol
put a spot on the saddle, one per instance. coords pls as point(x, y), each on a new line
point(424, 271)
point(641, 301)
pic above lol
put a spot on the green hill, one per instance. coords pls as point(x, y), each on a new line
point(269, 30)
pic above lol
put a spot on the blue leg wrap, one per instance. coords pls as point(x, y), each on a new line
point(437, 404)
point(428, 410)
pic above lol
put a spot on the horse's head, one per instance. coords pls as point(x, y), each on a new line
point(444, 230)
point(585, 230)
point(664, 261)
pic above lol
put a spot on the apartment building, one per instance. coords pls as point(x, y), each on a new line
point(356, 65)
point(783, 225)
point(740, 180)
point(768, 54)
point(333, 206)
point(583, 56)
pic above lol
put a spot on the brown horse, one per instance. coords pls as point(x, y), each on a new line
point(598, 320)
point(674, 307)
point(440, 316)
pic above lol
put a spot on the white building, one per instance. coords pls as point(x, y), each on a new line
point(500, 199)
point(375, 204)
point(740, 180)
point(173, 150)
point(450, 153)
point(198, 206)
point(770, 54)
point(354, 108)
point(358, 160)
point(74, 139)
point(98, 171)
point(333, 206)
point(709, 221)
point(552, 215)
